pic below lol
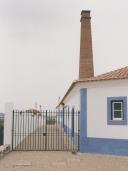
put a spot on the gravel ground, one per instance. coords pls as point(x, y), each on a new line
point(62, 161)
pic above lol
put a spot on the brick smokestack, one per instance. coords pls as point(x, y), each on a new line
point(86, 69)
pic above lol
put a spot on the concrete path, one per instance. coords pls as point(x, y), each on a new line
point(61, 161)
point(56, 139)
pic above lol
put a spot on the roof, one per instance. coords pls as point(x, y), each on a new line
point(117, 74)
point(32, 110)
point(121, 73)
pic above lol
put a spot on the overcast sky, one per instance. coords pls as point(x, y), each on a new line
point(40, 42)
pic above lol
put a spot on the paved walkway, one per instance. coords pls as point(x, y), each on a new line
point(61, 161)
point(55, 139)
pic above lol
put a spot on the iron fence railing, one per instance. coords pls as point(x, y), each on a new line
point(1, 128)
point(45, 130)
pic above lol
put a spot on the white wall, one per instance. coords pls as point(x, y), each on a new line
point(97, 93)
point(73, 99)
point(97, 109)
point(8, 124)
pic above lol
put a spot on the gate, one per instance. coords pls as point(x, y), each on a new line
point(45, 130)
point(1, 128)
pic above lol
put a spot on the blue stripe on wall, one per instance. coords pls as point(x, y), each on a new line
point(106, 146)
point(97, 145)
point(83, 119)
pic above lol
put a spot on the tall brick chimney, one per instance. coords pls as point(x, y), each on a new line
point(86, 69)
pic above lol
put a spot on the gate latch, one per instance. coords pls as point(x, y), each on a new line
point(44, 134)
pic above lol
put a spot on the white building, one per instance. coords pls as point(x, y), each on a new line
point(102, 101)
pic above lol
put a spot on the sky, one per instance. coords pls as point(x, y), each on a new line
point(40, 42)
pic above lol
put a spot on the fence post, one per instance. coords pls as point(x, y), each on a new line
point(72, 122)
point(8, 124)
point(63, 116)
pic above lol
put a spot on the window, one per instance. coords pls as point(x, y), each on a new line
point(117, 110)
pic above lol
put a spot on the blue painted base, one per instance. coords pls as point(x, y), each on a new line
point(105, 146)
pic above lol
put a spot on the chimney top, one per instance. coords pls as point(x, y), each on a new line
point(85, 14)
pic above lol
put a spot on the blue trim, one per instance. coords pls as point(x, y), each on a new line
point(83, 119)
point(107, 146)
point(109, 112)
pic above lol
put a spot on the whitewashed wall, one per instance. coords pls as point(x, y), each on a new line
point(8, 123)
point(73, 99)
point(97, 109)
point(97, 93)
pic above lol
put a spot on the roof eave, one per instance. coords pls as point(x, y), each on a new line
point(86, 81)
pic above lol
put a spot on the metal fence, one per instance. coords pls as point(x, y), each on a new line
point(46, 130)
point(1, 128)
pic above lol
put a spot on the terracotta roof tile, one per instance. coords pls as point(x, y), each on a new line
point(116, 74)
point(32, 110)
point(121, 73)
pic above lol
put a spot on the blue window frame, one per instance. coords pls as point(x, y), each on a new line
point(117, 110)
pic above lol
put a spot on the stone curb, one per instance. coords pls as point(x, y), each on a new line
point(4, 149)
